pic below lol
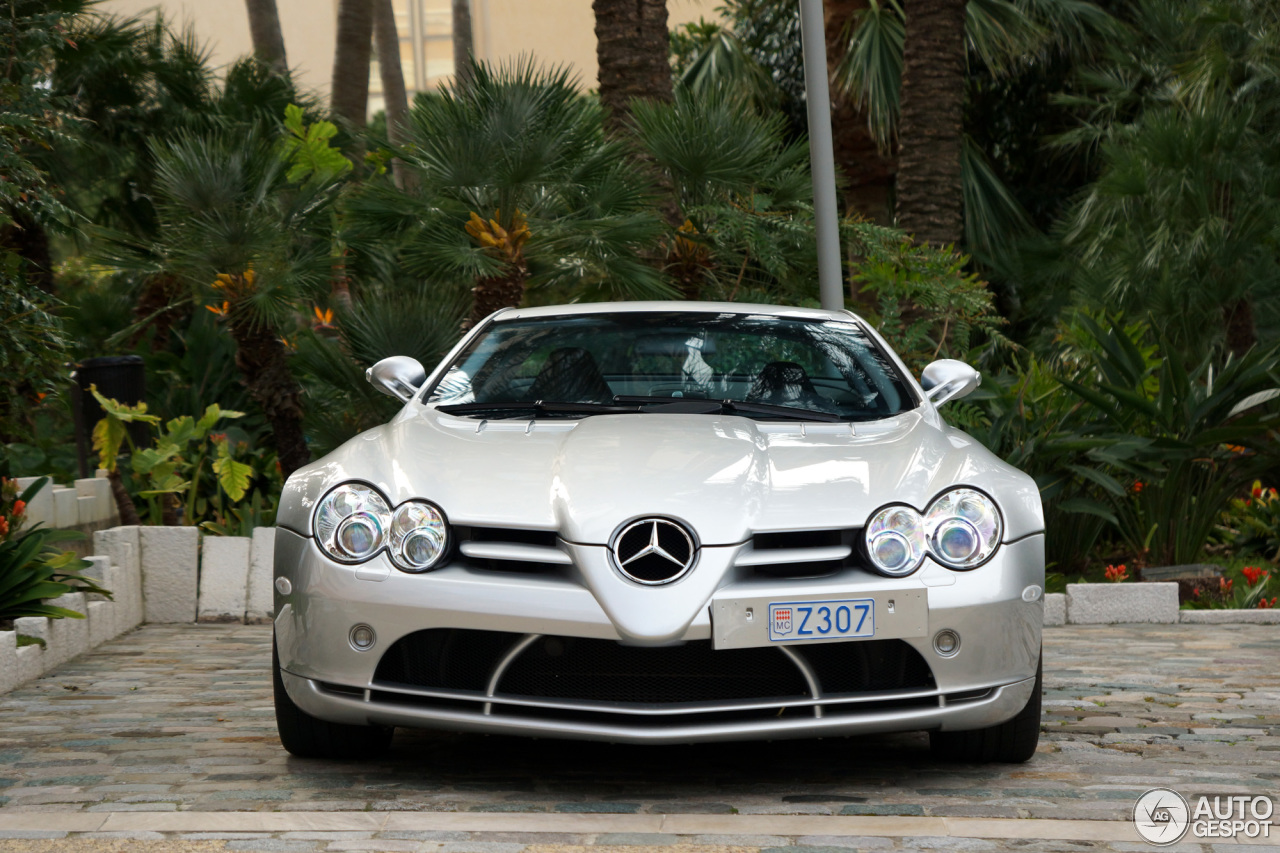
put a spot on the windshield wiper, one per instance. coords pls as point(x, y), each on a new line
point(508, 409)
point(729, 407)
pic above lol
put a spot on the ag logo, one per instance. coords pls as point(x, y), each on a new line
point(1161, 816)
point(782, 620)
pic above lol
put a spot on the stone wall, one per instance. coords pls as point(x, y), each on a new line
point(156, 574)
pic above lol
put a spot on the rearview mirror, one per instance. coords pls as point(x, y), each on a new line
point(398, 376)
point(948, 379)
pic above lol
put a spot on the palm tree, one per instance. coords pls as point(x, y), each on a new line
point(1182, 223)
point(349, 90)
point(997, 33)
point(742, 191)
point(253, 245)
point(463, 46)
point(517, 186)
point(932, 122)
point(268, 40)
point(631, 54)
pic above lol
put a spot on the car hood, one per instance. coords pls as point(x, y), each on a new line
point(726, 477)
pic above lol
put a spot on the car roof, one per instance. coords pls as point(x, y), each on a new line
point(675, 306)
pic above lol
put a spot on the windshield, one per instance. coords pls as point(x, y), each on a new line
point(614, 360)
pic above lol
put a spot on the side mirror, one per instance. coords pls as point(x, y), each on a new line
point(948, 379)
point(398, 376)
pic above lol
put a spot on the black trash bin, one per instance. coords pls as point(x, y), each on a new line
point(118, 377)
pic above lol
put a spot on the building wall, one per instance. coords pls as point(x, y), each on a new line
point(554, 31)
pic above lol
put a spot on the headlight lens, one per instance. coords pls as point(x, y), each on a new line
point(418, 536)
point(895, 540)
point(351, 522)
point(963, 528)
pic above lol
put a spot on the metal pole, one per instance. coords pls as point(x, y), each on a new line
point(821, 154)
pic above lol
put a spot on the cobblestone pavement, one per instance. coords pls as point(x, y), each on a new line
point(179, 718)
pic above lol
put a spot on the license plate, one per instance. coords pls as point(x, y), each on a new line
point(792, 621)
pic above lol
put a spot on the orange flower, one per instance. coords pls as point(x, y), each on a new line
point(1116, 574)
point(1137, 487)
point(1224, 585)
point(19, 507)
point(4, 526)
point(324, 319)
point(221, 312)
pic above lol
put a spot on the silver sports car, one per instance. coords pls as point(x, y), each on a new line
point(662, 522)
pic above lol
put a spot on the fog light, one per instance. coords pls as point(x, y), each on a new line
point(362, 638)
point(946, 642)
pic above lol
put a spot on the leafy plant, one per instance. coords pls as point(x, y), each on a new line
point(31, 570)
point(1181, 474)
point(1249, 594)
point(189, 474)
point(1253, 522)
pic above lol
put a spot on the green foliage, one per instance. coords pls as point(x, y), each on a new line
point(32, 571)
point(32, 118)
point(308, 149)
point(518, 141)
point(33, 351)
point(925, 301)
point(203, 476)
point(1252, 523)
point(1119, 432)
point(1182, 223)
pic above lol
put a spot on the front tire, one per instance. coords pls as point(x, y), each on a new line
point(309, 737)
point(1011, 742)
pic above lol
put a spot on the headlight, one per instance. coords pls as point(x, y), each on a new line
point(895, 540)
point(963, 528)
point(418, 536)
point(351, 522)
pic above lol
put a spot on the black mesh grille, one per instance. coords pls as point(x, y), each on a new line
point(574, 668)
point(444, 657)
point(867, 666)
point(603, 670)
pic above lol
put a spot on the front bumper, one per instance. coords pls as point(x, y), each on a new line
point(987, 682)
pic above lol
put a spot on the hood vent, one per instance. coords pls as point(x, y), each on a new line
point(507, 549)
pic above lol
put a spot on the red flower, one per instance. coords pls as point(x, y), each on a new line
point(1224, 585)
point(19, 507)
point(1116, 574)
point(1251, 574)
point(1138, 486)
point(4, 526)
point(1257, 491)
point(1264, 604)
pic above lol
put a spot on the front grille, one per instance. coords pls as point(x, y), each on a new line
point(602, 670)
point(793, 543)
point(574, 668)
point(509, 536)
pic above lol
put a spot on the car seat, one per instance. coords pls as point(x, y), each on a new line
point(570, 375)
point(785, 383)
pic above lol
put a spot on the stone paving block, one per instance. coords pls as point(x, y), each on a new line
point(66, 511)
point(1055, 609)
point(1123, 603)
point(260, 605)
point(170, 561)
point(1230, 617)
point(224, 577)
point(8, 661)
